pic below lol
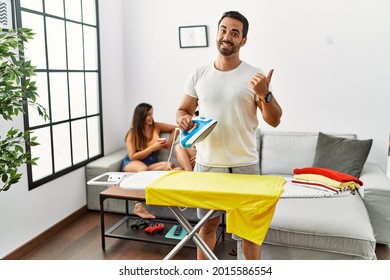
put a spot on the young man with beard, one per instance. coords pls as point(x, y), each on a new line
point(230, 91)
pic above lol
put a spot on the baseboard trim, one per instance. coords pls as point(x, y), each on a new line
point(44, 236)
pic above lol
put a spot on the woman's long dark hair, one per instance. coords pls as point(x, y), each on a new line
point(137, 129)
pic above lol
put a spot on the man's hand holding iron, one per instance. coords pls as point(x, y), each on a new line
point(186, 123)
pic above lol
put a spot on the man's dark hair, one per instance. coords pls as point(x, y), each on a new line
point(236, 15)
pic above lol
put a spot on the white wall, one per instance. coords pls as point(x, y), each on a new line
point(331, 59)
point(331, 66)
point(112, 51)
point(25, 214)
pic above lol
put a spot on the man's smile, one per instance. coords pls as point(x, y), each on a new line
point(226, 44)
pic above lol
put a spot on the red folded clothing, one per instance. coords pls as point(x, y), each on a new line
point(332, 174)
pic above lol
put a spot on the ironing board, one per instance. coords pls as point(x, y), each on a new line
point(249, 200)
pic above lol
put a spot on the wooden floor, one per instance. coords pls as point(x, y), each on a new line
point(81, 241)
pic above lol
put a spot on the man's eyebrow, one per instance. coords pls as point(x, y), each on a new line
point(224, 27)
point(236, 30)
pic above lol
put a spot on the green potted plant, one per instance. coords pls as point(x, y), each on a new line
point(17, 92)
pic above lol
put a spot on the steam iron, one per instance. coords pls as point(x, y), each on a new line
point(202, 129)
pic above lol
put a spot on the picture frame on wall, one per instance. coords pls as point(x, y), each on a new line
point(194, 36)
point(6, 15)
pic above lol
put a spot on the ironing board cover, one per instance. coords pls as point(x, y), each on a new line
point(249, 200)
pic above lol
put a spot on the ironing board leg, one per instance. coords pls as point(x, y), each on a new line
point(192, 233)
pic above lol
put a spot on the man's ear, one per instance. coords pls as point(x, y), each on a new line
point(243, 41)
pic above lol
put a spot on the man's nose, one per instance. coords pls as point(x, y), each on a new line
point(227, 36)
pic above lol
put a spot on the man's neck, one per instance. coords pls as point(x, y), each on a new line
point(227, 63)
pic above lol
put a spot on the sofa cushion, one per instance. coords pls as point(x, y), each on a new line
point(339, 225)
point(281, 152)
point(341, 154)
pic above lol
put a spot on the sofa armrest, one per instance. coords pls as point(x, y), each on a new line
point(376, 196)
point(108, 163)
point(112, 163)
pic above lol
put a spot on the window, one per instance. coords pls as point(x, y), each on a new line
point(65, 50)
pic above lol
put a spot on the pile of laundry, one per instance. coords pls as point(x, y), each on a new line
point(326, 179)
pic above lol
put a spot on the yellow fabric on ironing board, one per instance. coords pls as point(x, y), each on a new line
point(249, 200)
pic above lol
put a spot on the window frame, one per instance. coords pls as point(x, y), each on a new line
point(50, 124)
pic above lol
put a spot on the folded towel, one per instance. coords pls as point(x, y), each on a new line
point(332, 174)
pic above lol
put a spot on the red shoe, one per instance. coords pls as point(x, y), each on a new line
point(154, 228)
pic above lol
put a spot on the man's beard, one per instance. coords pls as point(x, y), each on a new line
point(227, 51)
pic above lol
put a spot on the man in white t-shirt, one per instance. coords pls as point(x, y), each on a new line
point(230, 91)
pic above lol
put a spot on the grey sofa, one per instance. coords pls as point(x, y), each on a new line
point(346, 227)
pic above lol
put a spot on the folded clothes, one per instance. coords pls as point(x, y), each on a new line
point(327, 181)
point(332, 174)
point(296, 190)
point(315, 185)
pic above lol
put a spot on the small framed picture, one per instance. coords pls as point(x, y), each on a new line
point(193, 36)
point(6, 15)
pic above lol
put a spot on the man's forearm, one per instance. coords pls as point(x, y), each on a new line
point(272, 113)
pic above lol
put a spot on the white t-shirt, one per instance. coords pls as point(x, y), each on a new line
point(226, 96)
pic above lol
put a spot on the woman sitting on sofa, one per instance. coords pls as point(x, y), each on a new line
point(142, 143)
